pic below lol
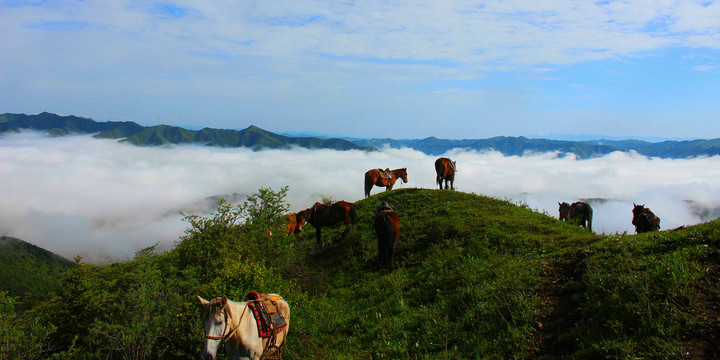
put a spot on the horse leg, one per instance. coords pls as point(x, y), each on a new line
point(368, 185)
point(318, 236)
point(390, 184)
point(452, 184)
point(438, 180)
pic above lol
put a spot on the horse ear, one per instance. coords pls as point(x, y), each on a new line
point(202, 301)
point(224, 301)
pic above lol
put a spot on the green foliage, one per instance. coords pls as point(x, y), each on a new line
point(22, 336)
point(27, 270)
point(475, 277)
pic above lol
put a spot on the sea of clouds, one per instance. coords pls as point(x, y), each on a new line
point(105, 200)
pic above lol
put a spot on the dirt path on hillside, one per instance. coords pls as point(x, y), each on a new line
point(564, 291)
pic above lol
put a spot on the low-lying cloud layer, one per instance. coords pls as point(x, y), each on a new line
point(101, 199)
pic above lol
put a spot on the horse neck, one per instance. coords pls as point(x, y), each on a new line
point(241, 319)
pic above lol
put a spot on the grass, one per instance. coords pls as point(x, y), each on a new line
point(477, 277)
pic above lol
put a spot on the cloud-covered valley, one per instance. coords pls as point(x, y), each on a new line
point(101, 199)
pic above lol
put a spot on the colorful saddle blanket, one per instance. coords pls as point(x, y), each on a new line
point(267, 316)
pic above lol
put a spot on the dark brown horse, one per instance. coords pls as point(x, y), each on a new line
point(386, 178)
point(644, 219)
point(387, 229)
point(322, 215)
point(445, 169)
point(579, 212)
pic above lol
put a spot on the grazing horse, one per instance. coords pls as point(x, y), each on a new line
point(387, 229)
point(296, 221)
point(386, 178)
point(321, 215)
point(445, 169)
point(233, 323)
point(580, 212)
point(644, 219)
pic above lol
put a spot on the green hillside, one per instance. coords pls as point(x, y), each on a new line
point(27, 270)
point(475, 277)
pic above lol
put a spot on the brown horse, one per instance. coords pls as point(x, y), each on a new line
point(644, 219)
point(295, 222)
point(580, 212)
point(387, 229)
point(386, 178)
point(321, 215)
point(445, 169)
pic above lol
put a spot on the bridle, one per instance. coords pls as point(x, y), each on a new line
point(228, 315)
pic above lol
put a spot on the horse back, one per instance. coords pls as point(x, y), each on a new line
point(387, 224)
point(581, 209)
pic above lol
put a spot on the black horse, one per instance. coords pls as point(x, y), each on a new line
point(580, 212)
point(387, 228)
point(644, 219)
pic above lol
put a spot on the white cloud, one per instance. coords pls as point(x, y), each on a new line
point(98, 198)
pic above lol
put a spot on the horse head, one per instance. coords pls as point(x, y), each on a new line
point(301, 218)
point(564, 210)
point(214, 316)
point(403, 175)
point(638, 209)
point(384, 206)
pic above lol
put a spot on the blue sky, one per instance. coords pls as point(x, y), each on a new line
point(401, 69)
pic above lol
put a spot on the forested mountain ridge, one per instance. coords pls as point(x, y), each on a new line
point(26, 269)
point(133, 133)
point(256, 138)
point(517, 146)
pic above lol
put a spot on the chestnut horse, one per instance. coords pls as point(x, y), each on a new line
point(321, 215)
point(445, 169)
point(295, 222)
point(232, 323)
point(387, 229)
point(386, 178)
point(580, 212)
point(644, 219)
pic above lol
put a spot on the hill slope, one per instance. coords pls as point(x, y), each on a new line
point(478, 277)
point(26, 269)
point(475, 278)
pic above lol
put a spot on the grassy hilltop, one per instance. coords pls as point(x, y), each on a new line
point(474, 277)
point(482, 278)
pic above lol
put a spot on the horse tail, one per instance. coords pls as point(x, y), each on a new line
point(368, 184)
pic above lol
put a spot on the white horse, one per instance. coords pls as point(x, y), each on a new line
point(232, 323)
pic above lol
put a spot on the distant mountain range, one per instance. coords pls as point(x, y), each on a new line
point(256, 138)
point(253, 137)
